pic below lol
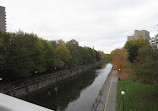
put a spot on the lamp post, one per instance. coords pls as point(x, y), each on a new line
point(35, 72)
point(119, 75)
point(67, 66)
point(0, 80)
point(123, 93)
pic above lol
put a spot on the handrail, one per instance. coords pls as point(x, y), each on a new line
point(16, 85)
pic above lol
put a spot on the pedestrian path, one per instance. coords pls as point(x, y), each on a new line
point(108, 99)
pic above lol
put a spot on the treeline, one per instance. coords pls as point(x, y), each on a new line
point(23, 55)
point(141, 58)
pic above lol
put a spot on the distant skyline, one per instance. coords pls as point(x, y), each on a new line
point(104, 24)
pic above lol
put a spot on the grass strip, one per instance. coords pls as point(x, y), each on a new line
point(138, 96)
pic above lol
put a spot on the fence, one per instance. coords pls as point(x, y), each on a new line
point(19, 84)
point(57, 76)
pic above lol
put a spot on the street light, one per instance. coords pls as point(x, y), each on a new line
point(119, 75)
point(123, 93)
point(67, 66)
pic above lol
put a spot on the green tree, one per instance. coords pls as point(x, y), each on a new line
point(133, 46)
point(73, 47)
point(88, 55)
point(2, 58)
point(146, 65)
point(98, 56)
point(17, 61)
point(23, 54)
point(62, 54)
point(102, 55)
point(49, 56)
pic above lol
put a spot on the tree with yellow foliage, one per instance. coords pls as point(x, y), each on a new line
point(119, 59)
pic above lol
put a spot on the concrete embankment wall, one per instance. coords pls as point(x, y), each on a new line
point(40, 82)
point(97, 100)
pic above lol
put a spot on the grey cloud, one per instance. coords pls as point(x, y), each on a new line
point(104, 24)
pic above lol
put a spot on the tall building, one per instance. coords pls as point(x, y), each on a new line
point(138, 34)
point(2, 19)
point(154, 42)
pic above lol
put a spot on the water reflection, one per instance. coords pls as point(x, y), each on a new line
point(73, 94)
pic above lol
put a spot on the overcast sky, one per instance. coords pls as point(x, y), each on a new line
point(104, 24)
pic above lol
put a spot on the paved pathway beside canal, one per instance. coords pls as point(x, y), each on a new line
point(108, 99)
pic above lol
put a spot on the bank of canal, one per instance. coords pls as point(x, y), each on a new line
point(77, 93)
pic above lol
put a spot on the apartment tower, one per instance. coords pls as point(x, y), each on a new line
point(2, 19)
point(139, 34)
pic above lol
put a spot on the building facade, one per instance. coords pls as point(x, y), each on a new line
point(154, 42)
point(139, 34)
point(2, 19)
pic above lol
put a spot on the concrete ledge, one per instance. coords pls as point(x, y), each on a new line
point(50, 79)
point(9, 103)
point(98, 99)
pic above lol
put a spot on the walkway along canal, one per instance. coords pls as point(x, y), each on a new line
point(77, 93)
point(21, 88)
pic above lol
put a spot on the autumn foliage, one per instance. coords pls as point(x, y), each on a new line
point(119, 59)
point(23, 55)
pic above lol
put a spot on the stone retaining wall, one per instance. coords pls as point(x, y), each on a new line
point(37, 83)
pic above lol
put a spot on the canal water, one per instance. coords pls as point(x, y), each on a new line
point(77, 93)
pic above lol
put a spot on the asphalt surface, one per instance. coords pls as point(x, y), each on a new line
point(108, 99)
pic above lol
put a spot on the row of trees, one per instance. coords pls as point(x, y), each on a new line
point(141, 57)
point(23, 55)
point(144, 60)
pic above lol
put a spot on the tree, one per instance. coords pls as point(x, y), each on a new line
point(87, 55)
point(73, 47)
point(49, 56)
point(102, 55)
point(22, 54)
point(62, 54)
point(2, 58)
point(145, 66)
point(98, 56)
point(113, 53)
point(133, 46)
point(119, 59)
point(17, 61)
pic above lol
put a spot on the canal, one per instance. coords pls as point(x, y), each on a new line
point(77, 93)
